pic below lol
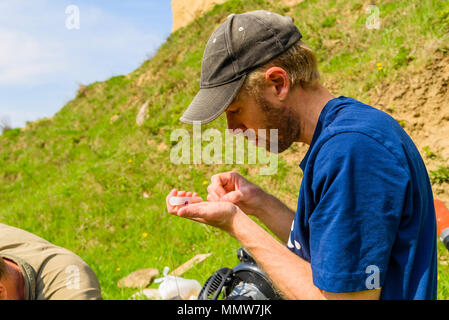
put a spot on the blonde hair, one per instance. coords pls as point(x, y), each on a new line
point(300, 63)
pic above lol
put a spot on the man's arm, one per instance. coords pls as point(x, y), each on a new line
point(288, 272)
point(276, 216)
point(291, 274)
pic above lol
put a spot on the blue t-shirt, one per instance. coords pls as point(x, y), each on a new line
point(365, 216)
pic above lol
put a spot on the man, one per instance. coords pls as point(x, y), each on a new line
point(365, 222)
point(32, 268)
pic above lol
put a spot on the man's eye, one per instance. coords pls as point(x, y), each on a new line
point(235, 111)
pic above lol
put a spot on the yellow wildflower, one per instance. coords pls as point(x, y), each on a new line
point(144, 234)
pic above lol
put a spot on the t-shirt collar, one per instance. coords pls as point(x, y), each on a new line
point(319, 128)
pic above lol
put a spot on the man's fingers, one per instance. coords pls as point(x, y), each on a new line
point(176, 193)
point(221, 184)
point(218, 181)
point(171, 194)
point(212, 197)
point(186, 212)
point(233, 196)
point(216, 190)
point(194, 210)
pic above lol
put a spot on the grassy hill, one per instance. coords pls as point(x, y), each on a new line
point(91, 180)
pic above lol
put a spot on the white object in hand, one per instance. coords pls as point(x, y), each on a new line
point(179, 201)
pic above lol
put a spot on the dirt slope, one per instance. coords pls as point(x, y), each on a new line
point(419, 100)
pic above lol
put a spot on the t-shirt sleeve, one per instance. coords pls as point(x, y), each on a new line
point(67, 277)
point(359, 187)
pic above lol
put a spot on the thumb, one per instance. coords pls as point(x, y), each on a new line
point(189, 211)
point(233, 196)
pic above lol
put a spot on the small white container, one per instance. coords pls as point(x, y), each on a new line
point(171, 287)
point(179, 201)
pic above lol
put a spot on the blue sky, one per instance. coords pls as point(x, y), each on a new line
point(42, 62)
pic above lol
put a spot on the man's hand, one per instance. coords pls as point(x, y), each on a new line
point(283, 267)
point(217, 214)
point(232, 187)
point(175, 193)
point(252, 200)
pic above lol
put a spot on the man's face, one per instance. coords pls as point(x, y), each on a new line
point(8, 290)
point(12, 286)
point(258, 112)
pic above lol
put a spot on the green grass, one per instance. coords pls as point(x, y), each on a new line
point(428, 153)
point(78, 179)
point(440, 175)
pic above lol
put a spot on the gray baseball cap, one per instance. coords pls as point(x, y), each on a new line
point(240, 44)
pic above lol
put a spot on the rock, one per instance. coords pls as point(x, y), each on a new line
point(138, 279)
point(186, 11)
point(114, 118)
point(143, 114)
point(82, 90)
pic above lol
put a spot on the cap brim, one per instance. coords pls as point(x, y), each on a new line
point(209, 103)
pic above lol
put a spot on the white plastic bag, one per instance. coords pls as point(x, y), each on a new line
point(172, 287)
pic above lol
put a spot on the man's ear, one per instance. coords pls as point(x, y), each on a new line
point(277, 78)
point(3, 291)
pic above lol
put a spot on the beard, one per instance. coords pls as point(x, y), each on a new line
point(284, 120)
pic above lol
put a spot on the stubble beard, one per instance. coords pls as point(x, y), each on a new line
point(284, 120)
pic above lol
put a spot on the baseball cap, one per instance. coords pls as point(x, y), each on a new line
point(240, 44)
